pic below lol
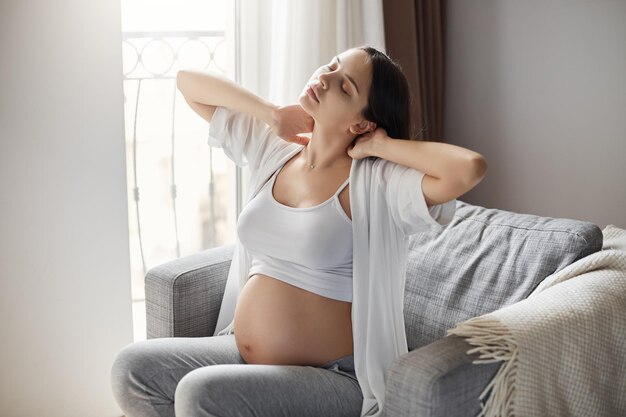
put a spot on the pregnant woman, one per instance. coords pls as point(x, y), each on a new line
point(291, 353)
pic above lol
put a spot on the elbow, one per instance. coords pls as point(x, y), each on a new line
point(477, 170)
point(179, 80)
point(480, 167)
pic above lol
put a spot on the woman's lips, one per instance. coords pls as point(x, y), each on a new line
point(312, 94)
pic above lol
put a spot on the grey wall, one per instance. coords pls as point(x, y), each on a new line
point(539, 88)
point(65, 307)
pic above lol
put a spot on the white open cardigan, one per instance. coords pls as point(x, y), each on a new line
point(387, 205)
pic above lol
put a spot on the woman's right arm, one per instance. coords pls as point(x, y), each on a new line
point(204, 90)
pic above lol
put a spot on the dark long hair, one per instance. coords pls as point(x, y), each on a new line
point(389, 100)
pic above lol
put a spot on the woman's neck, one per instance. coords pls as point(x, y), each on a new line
point(326, 150)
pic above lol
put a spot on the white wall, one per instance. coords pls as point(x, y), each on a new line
point(65, 307)
point(539, 88)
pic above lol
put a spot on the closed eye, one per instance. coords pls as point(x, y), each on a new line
point(342, 89)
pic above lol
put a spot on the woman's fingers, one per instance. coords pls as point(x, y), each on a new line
point(289, 121)
point(300, 140)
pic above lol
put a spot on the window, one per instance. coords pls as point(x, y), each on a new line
point(182, 194)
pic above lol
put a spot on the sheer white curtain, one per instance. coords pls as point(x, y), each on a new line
point(284, 41)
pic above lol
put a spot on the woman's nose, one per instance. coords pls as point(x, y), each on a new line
point(323, 81)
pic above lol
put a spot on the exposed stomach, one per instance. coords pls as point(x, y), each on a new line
point(281, 324)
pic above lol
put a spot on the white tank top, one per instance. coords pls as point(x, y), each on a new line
point(310, 247)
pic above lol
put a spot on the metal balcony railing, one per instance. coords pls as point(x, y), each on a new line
point(160, 55)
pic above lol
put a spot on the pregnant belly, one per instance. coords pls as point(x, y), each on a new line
point(281, 324)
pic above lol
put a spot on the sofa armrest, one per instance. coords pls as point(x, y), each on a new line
point(184, 296)
point(437, 379)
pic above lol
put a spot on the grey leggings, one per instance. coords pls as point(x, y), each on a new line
point(207, 377)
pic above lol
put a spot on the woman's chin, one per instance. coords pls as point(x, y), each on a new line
point(304, 103)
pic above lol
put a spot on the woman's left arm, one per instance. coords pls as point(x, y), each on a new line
point(450, 170)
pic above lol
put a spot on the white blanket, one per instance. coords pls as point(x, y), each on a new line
point(563, 347)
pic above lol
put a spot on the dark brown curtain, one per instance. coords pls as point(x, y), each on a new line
point(415, 37)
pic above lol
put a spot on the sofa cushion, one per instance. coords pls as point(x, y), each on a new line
point(484, 259)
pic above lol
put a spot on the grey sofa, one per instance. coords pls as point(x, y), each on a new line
point(483, 260)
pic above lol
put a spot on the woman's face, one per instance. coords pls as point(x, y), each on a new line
point(340, 100)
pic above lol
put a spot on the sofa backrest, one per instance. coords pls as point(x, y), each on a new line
point(485, 259)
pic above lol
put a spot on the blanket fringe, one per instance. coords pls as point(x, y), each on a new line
point(494, 343)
